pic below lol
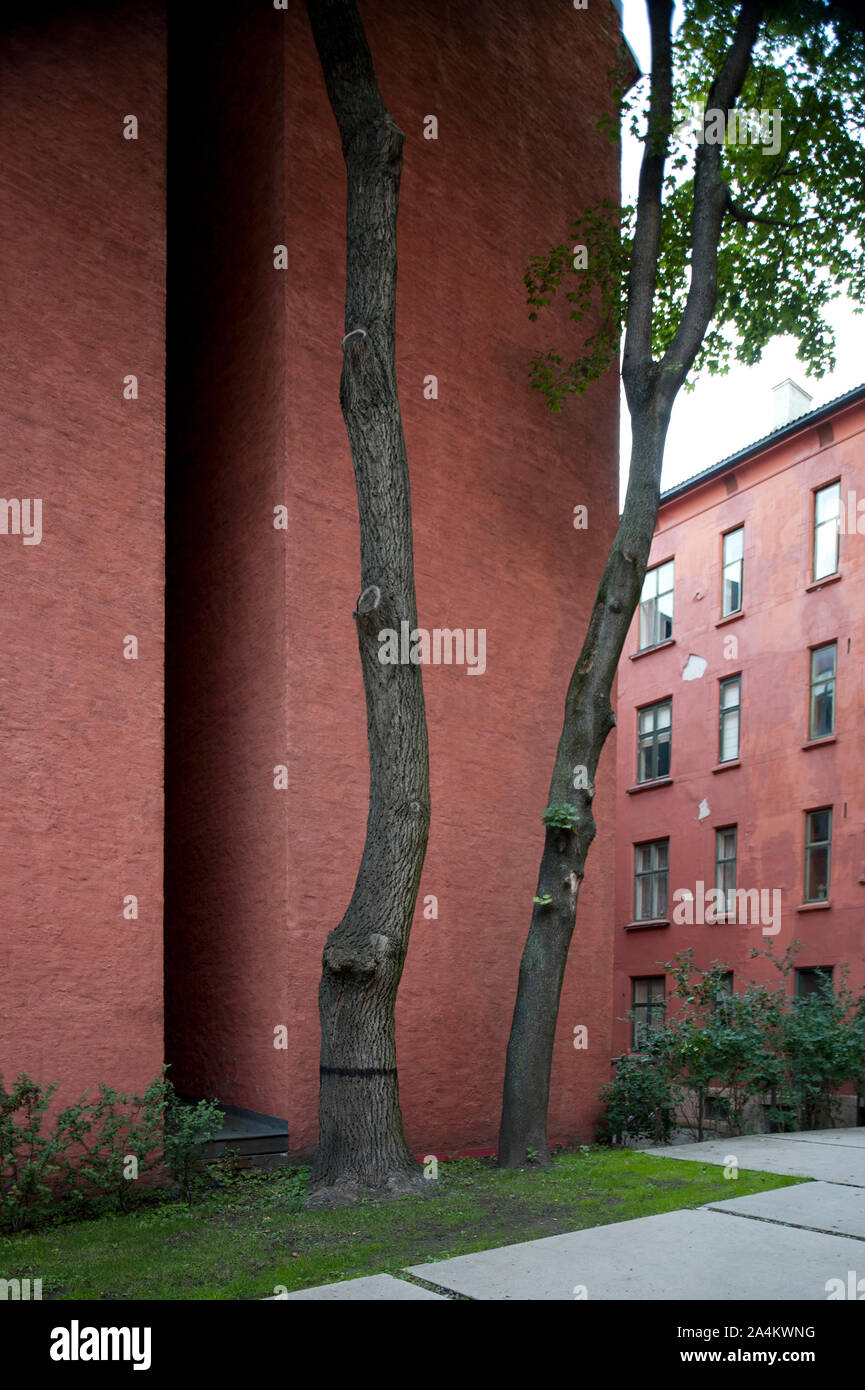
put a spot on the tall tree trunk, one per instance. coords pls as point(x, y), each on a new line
point(588, 720)
point(651, 388)
point(362, 1146)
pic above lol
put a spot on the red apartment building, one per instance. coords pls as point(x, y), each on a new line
point(740, 703)
point(167, 387)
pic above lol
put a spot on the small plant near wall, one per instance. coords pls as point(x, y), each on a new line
point(92, 1156)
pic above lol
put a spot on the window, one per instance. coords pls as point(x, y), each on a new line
point(818, 845)
point(656, 606)
point(717, 1108)
point(731, 702)
point(817, 980)
point(651, 870)
point(734, 553)
point(654, 734)
point(648, 1006)
point(827, 525)
point(823, 663)
point(725, 868)
point(723, 991)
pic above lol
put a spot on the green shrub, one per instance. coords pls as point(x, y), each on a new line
point(93, 1154)
point(188, 1130)
point(118, 1139)
point(739, 1048)
point(824, 1048)
point(640, 1103)
point(30, 1162)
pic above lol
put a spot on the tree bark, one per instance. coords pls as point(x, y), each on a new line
point(362, 1146)
point(650, 389)
point(588, 720)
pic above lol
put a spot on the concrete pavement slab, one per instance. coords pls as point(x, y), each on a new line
point(697, 1255)
point(821, 1206)
point(830, 1161)
point(374, 1287)
point(847, 1138)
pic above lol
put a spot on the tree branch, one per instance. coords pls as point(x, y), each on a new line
point(711, 198)
point(746, 217)
point(643, 273)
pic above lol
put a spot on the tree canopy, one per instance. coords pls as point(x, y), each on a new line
point(792, 161)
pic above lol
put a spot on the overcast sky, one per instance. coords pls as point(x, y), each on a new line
point(726, 413)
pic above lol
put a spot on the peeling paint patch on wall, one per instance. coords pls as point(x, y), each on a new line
point(694, 668)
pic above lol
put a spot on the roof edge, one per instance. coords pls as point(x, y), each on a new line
point(717, 470)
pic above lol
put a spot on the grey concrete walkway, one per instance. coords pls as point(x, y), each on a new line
point(833, 1155)
point(788, 1243)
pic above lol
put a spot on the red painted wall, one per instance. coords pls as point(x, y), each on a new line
point(82, 232)
point(269, 672)
point(777, 780)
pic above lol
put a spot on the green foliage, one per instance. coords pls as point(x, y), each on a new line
point(718, 1042)
point(759, 1046)
point(796, 213)
point(188, 1130)
point(603, 232)
point(115, 1141)
point(562, 815)
point(92, 1156)
point(640, 1103)
point(823, 1038)
point(29, 1160)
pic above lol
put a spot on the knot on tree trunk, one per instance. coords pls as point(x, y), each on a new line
point(361, 959)
point(356, 335)
point(349, 960)
point(369, 599)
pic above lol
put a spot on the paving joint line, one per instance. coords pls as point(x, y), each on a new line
point(824, 1143)
point(440, 1289)
point(773, 1221)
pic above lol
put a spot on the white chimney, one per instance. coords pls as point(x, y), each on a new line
point(790, 402)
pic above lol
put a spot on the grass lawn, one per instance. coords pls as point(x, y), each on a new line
point(252, 1234)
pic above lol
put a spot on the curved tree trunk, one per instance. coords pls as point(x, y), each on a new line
point(361, 1146)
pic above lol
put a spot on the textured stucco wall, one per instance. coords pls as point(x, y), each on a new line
point(778, 780)
point(83, 264)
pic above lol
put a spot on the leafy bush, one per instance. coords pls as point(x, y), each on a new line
point(91, 1157)
point(30, 1161)
point(119, 1139)
point(737, 1049)
point(824, 1047)
point(188, 1130)
point(640, 1103)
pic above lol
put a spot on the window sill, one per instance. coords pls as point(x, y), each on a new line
point(645, 651)
point(818, 742)
point(814, 907)
point(730, 618)
point(820, 583)
point(641, 926)
point(723, 767)
point(647, 786)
